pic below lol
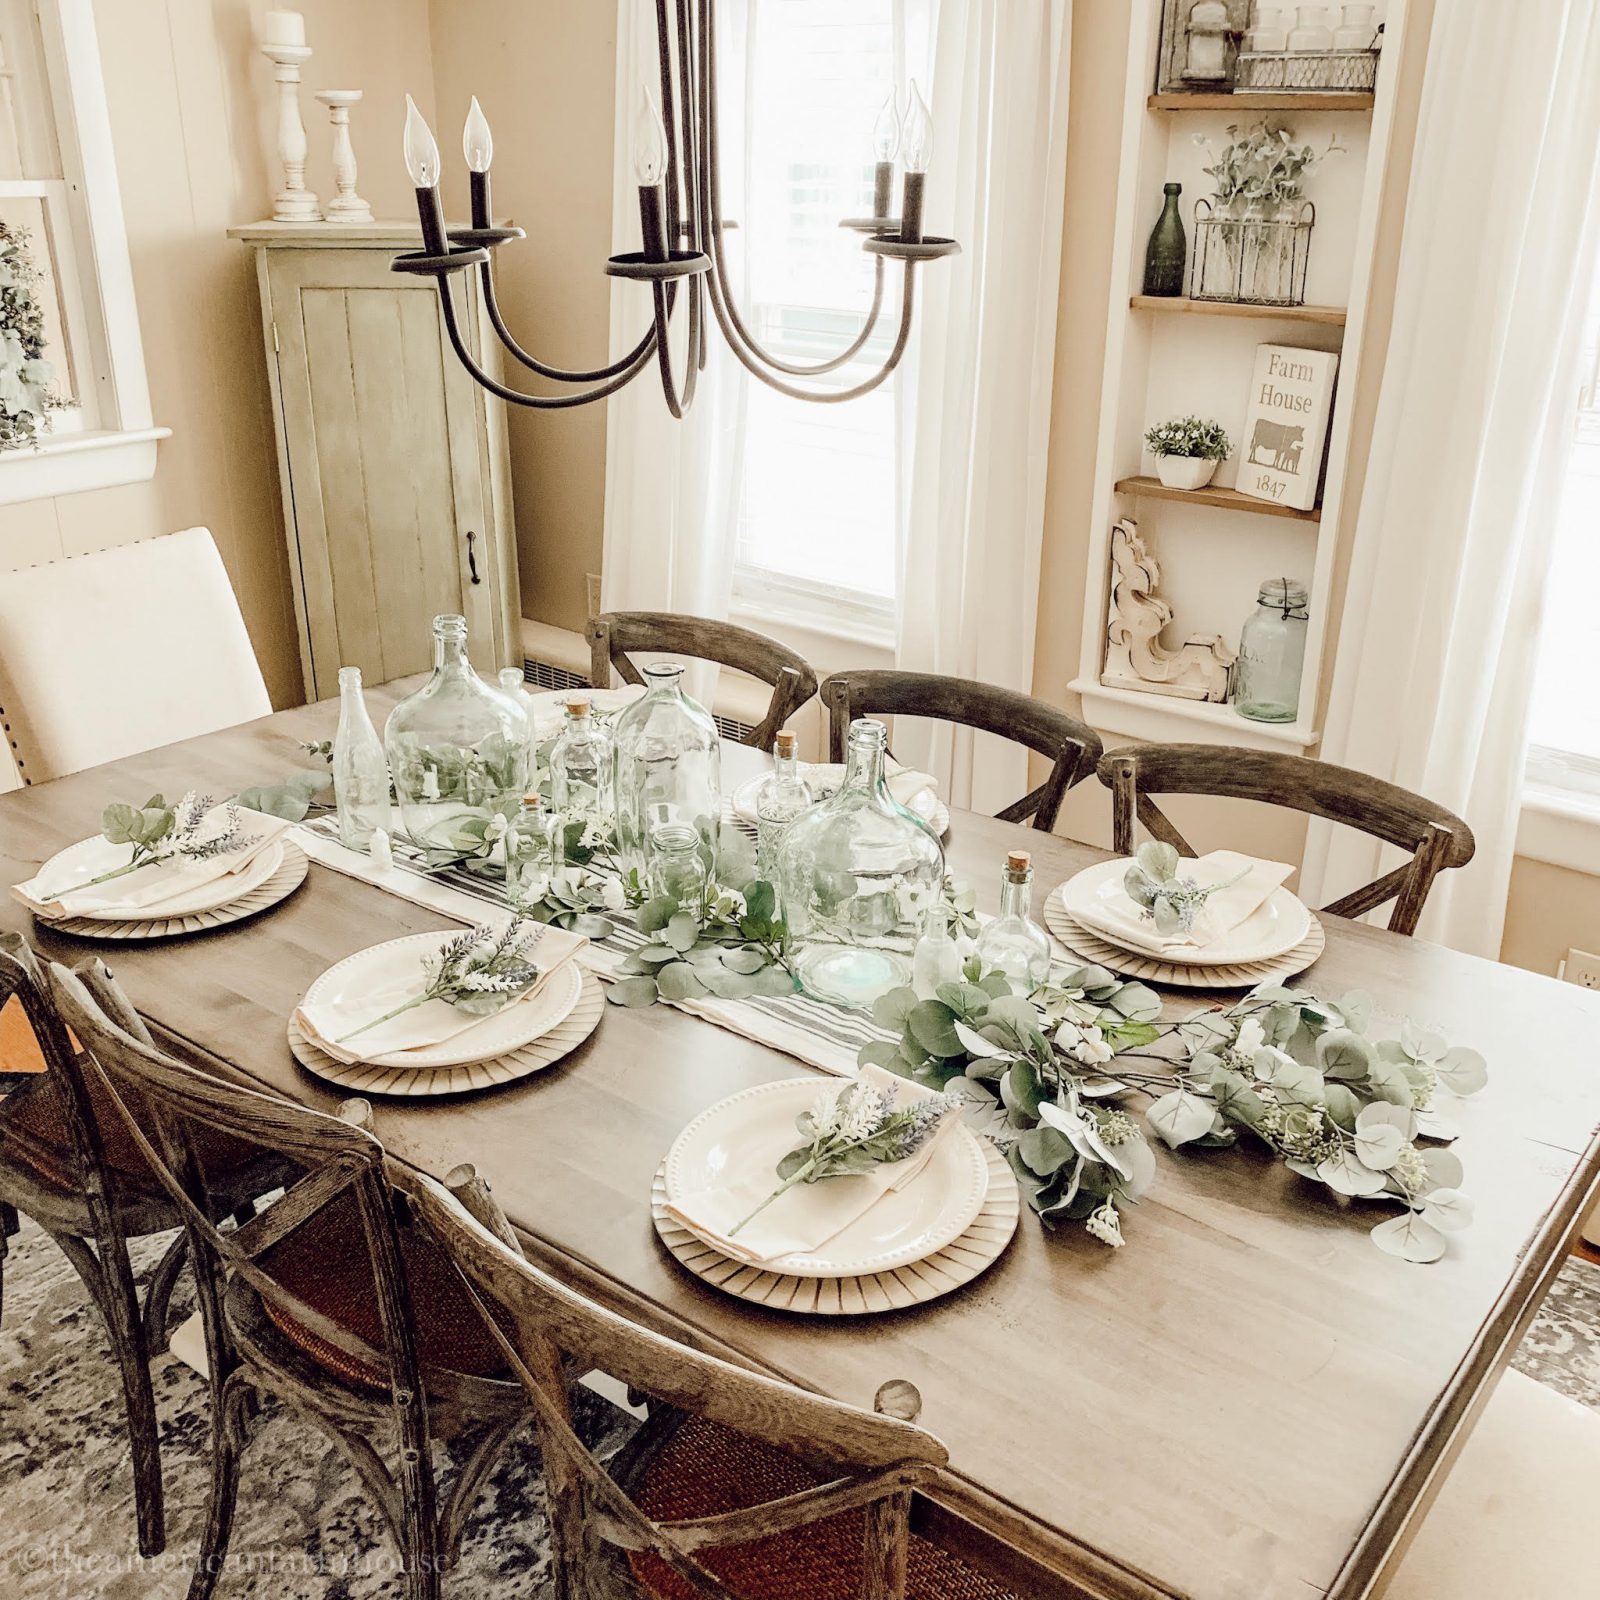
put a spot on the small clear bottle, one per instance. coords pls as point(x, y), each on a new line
point(1014, 942)
point(513, 684)
point(936, 958)
point(360, 769)
point(532, 851)
point(678, 865)
point(582, 763)
point(783, 795)
point(1272, 652)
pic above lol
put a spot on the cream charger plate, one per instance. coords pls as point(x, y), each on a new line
point(231, 886)
point(279, 885)
point(1087, 945)
point(545, 1051)
point(392, 970)
point(977, 1249)
point(1272, 930)
point(756, 1127)
point(825, 779)
point(550, 706)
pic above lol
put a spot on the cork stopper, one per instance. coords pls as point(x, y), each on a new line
point(578, 705)
point(1018, 861)
point(786, 742)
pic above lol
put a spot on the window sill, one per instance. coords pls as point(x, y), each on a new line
point(1560, 826)
point(73, 463)
point(832, 634)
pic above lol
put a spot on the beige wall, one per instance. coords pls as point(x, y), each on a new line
point(544, 72)
point(192, 116)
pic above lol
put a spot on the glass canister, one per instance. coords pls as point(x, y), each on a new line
point(458, 751)
point(677, 866)
point(1272, 651)
point(668, 769)
point(858, 875)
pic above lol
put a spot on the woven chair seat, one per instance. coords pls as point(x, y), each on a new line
point(325, 1263)
point(704, 1468)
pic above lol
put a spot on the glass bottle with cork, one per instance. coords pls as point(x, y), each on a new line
point(582, 763)
point(1014, 943)
point(783, 795)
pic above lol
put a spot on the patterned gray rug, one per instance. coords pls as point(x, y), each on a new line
point(306, 1530)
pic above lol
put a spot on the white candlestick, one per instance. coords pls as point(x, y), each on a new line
point(294, 202)
point(283, 27)
point(346, 205)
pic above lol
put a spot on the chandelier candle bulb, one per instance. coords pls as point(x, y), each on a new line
point(885, 146)
point(422, 162)
point(477, 145)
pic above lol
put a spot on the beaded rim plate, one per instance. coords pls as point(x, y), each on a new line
point(740, 807)
point(1088, 946)
point(289, 876)
point(956, 1265)
point(533, 1057)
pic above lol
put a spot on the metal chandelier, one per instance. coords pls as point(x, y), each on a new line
point(678, 166)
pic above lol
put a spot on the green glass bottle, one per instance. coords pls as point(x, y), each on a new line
point(1168, 249)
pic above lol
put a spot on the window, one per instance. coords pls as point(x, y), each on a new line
point(1564, 729)
point(817, 501)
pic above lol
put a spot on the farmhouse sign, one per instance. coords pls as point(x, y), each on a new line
point(1286, 425)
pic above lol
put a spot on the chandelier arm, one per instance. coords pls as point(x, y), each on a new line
point(558, 374)
point(732, 324)
point(679, 401)
point(669, 121)
point(822, 396)
point(533, 401)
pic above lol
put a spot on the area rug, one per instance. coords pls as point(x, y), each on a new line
point(306, 1530)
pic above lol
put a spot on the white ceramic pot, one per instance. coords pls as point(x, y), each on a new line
point(1185, 472)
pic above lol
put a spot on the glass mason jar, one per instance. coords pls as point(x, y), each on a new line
point(1272, 650)
point(858, 875)
point(677, 866)
point(668, 768)
point(458, 752)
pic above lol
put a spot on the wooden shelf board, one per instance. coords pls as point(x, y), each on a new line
point(1161, 719)
point(1227, 499)
point(1333, 316)
point(1269, 100)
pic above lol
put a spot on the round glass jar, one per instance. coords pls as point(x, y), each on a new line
point(458, 753)
point(1272, 651)
point(858, 875)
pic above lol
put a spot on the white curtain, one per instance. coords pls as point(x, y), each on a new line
point(1436, 649)
point(975, 398)
point(672, 488)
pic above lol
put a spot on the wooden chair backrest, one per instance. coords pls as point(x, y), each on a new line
point(1436, 838)
point(615, 635)
point(1072, 747)
point(879, 1457)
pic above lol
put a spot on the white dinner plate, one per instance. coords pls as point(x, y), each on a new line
point(89, 857)
point(1273, 929)
point(550, 706)
point(824, 779)
point(387, 974)
point(755, 1128)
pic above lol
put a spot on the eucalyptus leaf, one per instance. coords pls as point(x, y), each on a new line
point(655, 914)
point(633, 992)
point(1343, 1054)
point(655, 955)
point(1462, 1071)
point(880, 1053)
point(1180, 1116)
point(1387, 1080)
point(1345, 1173)
point(679, 981)
point(893, 1010)
point(1341, 1104)
point(932, 1025)
point(744, 960)
point(682, 932)
point(1045, 1150)
point(1444, 1169)
point(1410, 1237)
point(974, 1042)
point(593, 926)
point(1448, 1210)
point(760, 900)
point(290, 799)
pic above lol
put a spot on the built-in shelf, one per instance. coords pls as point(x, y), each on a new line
point(1227, 499)
point(1332, 316)
point(1283, 100)
point(1164, 719)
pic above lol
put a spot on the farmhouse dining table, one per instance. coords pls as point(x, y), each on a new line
point(1248, 1400)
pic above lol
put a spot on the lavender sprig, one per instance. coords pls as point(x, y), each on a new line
point(478, 971)
point(158, 832)
point(852, 1133)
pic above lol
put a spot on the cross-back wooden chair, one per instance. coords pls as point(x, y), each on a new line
point(329, 1299)
point(615, 635)
point(739, 1488)
point(1071, 746)
point(1436, 838)
point(76, 1173)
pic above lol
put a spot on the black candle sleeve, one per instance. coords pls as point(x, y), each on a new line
point(431, 214)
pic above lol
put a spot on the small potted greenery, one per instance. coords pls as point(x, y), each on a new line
point(1187, 451)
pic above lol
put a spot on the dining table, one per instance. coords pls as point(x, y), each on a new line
point(1248, 1400)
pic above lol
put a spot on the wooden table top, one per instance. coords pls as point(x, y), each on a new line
point(1249, 1400)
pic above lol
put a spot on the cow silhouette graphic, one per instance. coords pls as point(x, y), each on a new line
point(1280, 441)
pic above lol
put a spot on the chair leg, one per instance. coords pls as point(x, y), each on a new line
point(158, 1294)
point(887, 1541)
point(227, 1445)
point(10, 1223)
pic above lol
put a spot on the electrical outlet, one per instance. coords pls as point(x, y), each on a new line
point(592, 584)
point(1581, 968)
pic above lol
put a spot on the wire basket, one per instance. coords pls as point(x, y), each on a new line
point(1255, 260)
point(1308, 71)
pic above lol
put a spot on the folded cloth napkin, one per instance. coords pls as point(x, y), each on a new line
point(143, 893)
point(331, 1019)
point(1249, 884)
point(808, 1215)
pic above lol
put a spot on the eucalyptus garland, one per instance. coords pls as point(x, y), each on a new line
point(1050, 1077)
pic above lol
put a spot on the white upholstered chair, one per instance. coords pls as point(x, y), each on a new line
point(1515, 1518)
point(108, 654)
